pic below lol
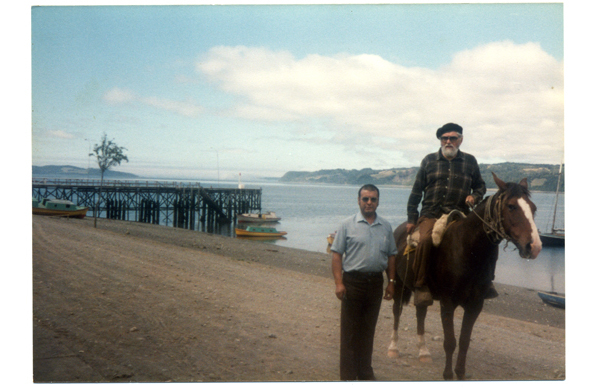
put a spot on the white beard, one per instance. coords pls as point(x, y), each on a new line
point(449, 152)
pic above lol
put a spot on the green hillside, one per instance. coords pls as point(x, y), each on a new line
point(540, 177)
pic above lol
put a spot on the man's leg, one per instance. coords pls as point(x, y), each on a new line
point(350, 329)
point(369, 317)
point(422, 294)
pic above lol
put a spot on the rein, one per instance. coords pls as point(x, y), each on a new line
point(492, 220)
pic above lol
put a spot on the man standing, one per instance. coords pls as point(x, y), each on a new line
point(448, 179)
point(363, 248)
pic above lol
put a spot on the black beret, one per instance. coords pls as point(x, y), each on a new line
point(450, 127)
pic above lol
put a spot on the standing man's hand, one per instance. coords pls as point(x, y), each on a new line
point(389, 291)
point(340, 291)
point(410, 228)
point(336, 269)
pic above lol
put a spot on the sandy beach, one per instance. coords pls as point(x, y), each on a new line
point(131, 302)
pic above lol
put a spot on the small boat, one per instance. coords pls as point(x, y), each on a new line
point(258, 217)
point(258, 231)
point(553, 298)
point(556, 237)
point(58, 207)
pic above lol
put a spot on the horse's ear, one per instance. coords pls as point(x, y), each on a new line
point(523, 183)
point(499, 182)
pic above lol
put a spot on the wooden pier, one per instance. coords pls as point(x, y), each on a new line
point(183, 205)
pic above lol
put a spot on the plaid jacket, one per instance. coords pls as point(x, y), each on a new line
point(444, 185)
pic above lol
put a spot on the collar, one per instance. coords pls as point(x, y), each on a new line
point(361, 218)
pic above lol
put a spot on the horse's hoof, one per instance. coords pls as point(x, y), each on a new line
point(393, 353)
point(425, 359)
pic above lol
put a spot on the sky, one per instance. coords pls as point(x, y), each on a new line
point(258, 90)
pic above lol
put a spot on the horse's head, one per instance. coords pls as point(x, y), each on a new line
point(517, 217)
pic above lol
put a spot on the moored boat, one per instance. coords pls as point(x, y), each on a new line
point(58, 207)
point(553, 298)
point(258, 217)
point(556, 237)
point(258, 231)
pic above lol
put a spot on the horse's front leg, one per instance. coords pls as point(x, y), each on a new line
point(393, 350)
point(447, 314)
point(424, 355)
point(469, 318)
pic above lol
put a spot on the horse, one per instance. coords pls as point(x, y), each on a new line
point(461, 268)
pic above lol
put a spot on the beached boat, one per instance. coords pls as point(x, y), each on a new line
point(58, 207)
point(258, 231)
point(258, 217)
point(331, 237)
point(556, 237)
point(553, 298)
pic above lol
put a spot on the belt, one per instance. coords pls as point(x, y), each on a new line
point(362, 275)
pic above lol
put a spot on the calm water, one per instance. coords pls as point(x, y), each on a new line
point(310, 212)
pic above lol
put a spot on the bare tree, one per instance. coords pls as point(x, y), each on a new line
point(109, 154)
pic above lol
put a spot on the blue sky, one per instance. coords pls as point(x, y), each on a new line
point(207, 91)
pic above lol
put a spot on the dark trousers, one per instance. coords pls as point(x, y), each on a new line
point(360, 310)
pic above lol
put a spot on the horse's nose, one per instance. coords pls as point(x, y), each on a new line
point(534, 248)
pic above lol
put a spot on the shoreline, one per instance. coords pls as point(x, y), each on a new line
point(514, 302)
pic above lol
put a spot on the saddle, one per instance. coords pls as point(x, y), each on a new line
point(437, 233)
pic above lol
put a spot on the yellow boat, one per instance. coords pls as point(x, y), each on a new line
point(258, 231)
point(58, 207)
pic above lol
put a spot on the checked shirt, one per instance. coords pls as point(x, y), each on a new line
point(444, 185)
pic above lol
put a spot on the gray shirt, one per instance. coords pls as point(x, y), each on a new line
point(367, 246)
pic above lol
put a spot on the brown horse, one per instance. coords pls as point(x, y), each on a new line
point(461, 268)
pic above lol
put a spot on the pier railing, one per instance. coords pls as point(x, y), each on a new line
point(181, 204)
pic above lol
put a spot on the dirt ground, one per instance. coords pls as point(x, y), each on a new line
point(130, 302)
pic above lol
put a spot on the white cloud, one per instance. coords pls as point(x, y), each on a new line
point(118, 96)
point(187, 109)
point(508, 97)
point(60, 134)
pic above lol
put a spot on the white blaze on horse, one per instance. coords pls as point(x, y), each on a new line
point(462, 266)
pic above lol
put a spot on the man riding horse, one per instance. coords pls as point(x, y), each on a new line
point(447, 180)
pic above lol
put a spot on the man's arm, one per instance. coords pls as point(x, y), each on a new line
point(416, 194)
point(477, 185)
point(336, 268)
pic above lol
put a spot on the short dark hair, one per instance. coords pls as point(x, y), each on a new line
point(368, 187)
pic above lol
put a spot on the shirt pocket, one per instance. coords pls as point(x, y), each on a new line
point(384, 246)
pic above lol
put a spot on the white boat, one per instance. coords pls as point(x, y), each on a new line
point(258, 217)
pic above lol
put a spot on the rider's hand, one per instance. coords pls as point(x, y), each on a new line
point(470, 201)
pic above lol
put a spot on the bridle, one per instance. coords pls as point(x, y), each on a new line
point(492, 220)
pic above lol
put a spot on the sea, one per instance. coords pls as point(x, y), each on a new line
point(309, 213)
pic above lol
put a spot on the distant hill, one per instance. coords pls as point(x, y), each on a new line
point(76, 172)
point(540, 177)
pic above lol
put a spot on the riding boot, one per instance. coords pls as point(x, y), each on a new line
point(423, 297)
point(491, 292)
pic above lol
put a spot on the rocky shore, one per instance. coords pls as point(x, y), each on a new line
point(131, 302)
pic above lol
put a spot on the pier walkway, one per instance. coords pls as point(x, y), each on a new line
point(178, 204)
